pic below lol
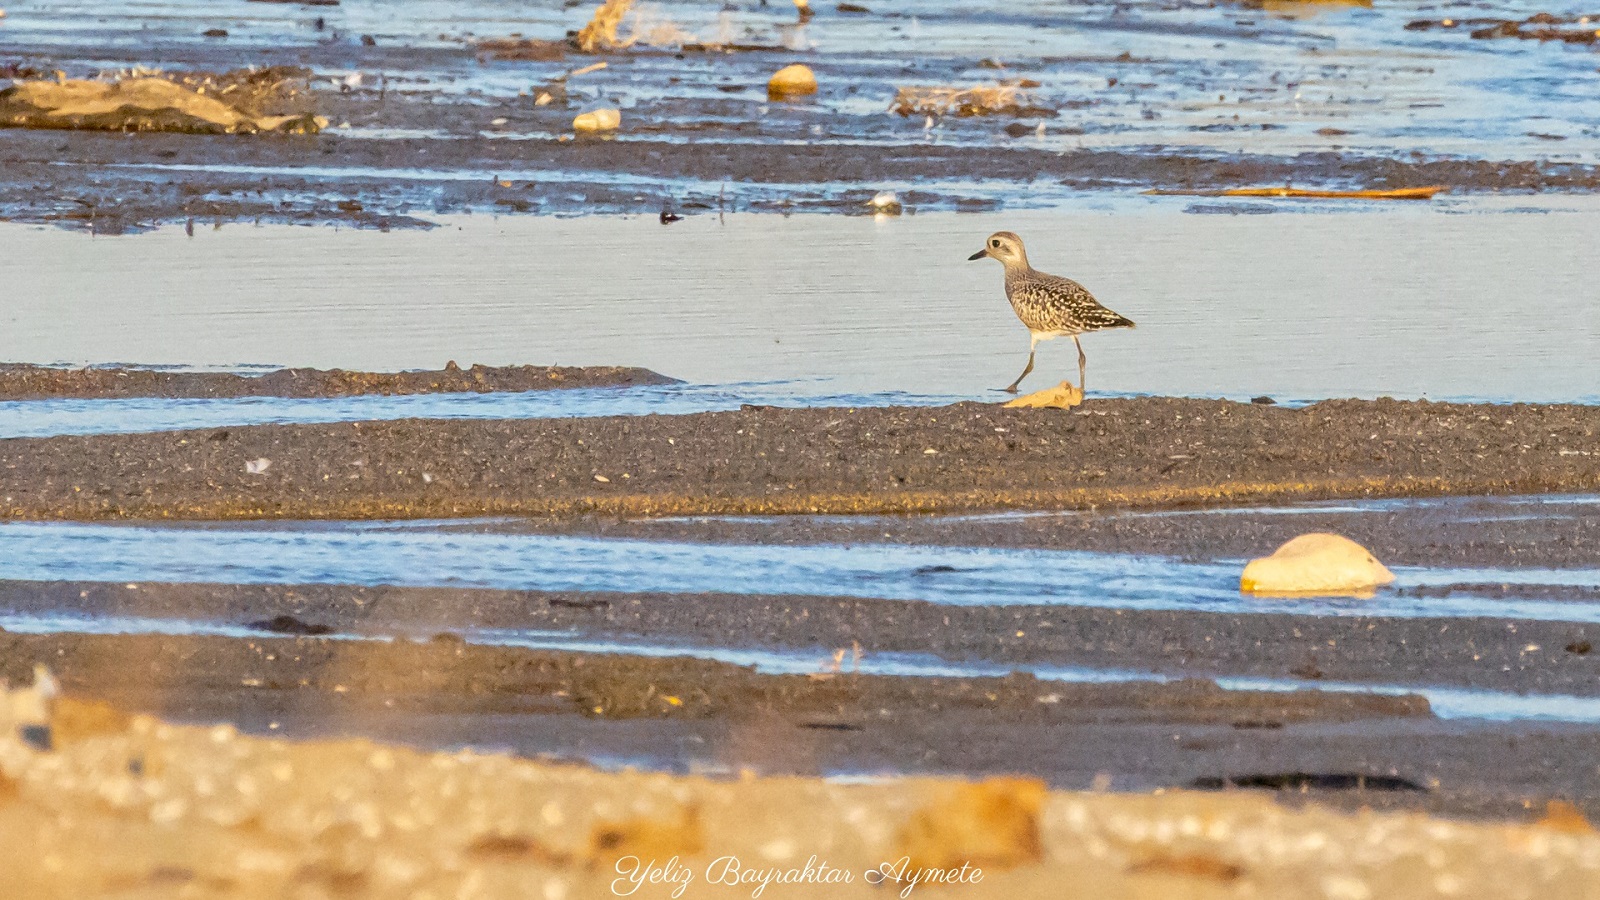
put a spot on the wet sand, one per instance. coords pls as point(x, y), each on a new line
point(1477, 653)
point(387, 184)
point(690, 715)
point(435, 689)
point(27, 382)
point(1147, 452)
point(1518, 532)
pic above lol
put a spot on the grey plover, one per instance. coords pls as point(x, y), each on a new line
point(1051, 306)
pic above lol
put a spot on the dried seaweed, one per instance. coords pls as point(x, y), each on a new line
point(1412, 193)
point(601, 32)
point(1003, 99)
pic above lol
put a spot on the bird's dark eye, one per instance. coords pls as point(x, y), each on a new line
point(995, 244)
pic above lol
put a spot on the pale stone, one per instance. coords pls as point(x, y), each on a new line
point(1316, 563)
point(598, 120)
point(792, 81)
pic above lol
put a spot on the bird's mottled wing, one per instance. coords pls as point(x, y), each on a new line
point(1053, 303)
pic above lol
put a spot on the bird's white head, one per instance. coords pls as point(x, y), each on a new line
point(1004, 246)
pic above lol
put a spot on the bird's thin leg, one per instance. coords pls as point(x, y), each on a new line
point(1082, 360)
point(1032, 348)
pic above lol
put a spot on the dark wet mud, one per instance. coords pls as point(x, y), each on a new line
point(26, 382)
point(329, 179)
point(1140, 452)
point(692, 715)
point(435, 672)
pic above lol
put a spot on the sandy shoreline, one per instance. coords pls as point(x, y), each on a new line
point(129, 804)
point(1146, 452)
point(26, 382)
point(689, 715)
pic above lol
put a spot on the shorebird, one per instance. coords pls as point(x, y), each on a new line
point(1051, 306)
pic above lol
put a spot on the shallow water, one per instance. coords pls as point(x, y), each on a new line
point(412, 555)
point(1454, 299)
point(1217, 77)
point(46, 418)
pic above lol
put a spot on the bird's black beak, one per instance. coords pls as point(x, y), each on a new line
point(979, 255)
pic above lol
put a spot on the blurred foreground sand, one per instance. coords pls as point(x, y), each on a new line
point(129, 806)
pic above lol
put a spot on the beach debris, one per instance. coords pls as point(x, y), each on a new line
point(852, 9)
point(648, 26)
point(885, 203)
point(227, 104)
point(214, 33)
point(257, 466)
point(992, 825)
point(1007, 98)
point(667, 218)
point(1562, 816)
point(1540, 27)
point(1304, 781)
point(286, 624)
point(645, 26)
point(1300, 9)
point(648, 837)
point(835, 665)
point(792, 81)
point(523, 49)
point(29, 710)
point(803, 7)
point(1316, 564)
point(597, 120)
point(1063, 396)
point(601, 32)
point(592, 67)
point(1413, 193)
